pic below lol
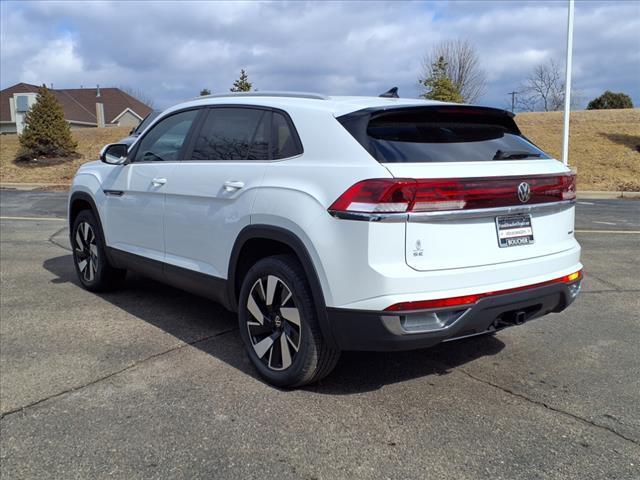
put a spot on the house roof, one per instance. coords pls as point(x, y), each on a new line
point(79, 104)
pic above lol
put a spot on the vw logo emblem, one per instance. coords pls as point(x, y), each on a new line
point(524, 192)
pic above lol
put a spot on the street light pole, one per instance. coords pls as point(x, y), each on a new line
point(567, 86)
point(513, 101)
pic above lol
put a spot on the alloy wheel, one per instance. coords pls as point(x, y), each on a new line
point(86, 251)
point(273, 323)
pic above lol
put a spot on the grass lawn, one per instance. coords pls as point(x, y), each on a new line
point(604, 149)
point(90, 141)
point(604, 145)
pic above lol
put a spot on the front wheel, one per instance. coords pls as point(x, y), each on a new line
point(89, 255)
point(279, 325)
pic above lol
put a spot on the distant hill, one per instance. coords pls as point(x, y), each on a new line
point(604, 145)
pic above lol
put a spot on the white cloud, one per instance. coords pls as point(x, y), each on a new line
point(57, 58)
point(171, 50)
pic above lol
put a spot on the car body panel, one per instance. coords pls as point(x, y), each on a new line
point(202, 218)
point(133, 208)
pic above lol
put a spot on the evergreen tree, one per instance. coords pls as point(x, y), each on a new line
point(46, 132)
point(439, 86)
point(205, 91)
point(242, 84)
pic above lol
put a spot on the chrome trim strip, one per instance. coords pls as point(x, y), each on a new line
point(491, 212)
point(451, 215)
point(370, 217)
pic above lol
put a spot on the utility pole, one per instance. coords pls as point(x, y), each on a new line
point(513, 101)
point(567, 86)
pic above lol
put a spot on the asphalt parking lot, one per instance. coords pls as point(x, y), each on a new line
point(151, 382)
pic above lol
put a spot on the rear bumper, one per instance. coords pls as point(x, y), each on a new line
point(388, 331)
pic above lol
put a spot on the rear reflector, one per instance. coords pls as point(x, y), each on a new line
point(471, 299)
point(389, 195)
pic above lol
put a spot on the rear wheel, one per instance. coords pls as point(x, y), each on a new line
point(279, 325)
point(89, 255)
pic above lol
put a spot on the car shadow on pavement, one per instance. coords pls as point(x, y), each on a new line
point(212, 329)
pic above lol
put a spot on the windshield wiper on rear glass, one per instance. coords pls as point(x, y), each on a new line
point(514, 155)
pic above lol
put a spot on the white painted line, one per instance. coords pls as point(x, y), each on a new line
point(605, 223)
point(36, 219)
point(609, 231)
point(586, 203)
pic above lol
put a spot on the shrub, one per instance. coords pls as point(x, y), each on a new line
point(609, 100)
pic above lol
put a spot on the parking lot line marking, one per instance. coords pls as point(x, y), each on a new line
point(48, 219)
point(608, 231)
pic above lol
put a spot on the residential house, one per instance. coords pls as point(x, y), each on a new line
point(83, 107)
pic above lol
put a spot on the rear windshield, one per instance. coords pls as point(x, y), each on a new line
point(440, 135)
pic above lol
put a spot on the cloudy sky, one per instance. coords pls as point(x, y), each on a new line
point(171, 50)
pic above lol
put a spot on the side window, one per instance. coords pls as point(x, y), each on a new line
point(165, 139)
point(283, 143)
point(233, 134)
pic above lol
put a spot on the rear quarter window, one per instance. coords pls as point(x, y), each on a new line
point(285, 142)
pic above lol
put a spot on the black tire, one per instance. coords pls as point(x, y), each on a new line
point(89, 255)
point(309, 359)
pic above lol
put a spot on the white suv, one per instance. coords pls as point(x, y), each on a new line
point(334, 223)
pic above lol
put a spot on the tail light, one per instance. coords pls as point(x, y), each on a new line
point(471, 299)
point(426, 195)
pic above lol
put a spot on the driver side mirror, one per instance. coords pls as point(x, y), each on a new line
point(114, 153)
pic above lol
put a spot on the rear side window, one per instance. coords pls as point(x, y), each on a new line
point(233, 134)
point(440, 135)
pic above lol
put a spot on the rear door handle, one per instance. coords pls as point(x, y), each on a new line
point(231, 185)
point(158, 182)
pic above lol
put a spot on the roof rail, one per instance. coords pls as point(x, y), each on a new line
point(313, 96)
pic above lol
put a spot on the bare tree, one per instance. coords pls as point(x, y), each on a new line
point(463, 67)
point(138, 95)
point(543, 89)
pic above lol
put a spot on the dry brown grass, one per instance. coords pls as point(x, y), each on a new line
point(90, 141)
point(603, 148)
point(604, 145)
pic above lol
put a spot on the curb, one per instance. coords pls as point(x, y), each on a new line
point(603, 195)
point(34, 186)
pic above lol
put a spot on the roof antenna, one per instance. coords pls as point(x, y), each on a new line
point(391, 93)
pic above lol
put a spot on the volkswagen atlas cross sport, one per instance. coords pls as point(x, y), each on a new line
point(334, 223)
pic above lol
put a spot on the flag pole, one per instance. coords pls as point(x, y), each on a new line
point(567, 86)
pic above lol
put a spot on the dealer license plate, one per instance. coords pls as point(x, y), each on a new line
point(514, 230)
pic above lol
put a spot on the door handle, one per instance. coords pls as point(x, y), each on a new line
point(232, 185)
point(158, 182)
